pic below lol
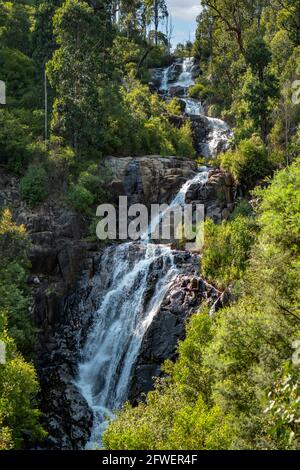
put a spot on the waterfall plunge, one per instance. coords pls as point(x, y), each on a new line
point(125, 312)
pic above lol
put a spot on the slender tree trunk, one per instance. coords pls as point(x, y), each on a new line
point(156, 20)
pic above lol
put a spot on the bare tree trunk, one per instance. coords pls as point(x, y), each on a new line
point(156, 20)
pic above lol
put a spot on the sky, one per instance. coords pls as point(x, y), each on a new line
point(184, 14)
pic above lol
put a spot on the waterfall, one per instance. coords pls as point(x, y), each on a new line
point(219, 132)
point(135, 277)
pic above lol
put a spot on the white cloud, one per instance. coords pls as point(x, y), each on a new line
point(184, 9)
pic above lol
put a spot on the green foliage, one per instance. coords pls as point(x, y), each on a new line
point(201, 91)
point(176, 415)
point(15, 24)
point(77, 71)
point(14, 142)
point(289, 19)
point(80, 198)
point(19, 73)
point(249, 163)
point(138, 124)
point(19, 415)
point(14, 297)
point(283, 408)
point(227, 250)
point(34, 185)
point(18, 382)
point(96, 180)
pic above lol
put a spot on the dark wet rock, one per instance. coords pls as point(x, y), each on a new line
point(218, 195)
point(196, 71)
point(184, 298)
point(177, 91)
point(156, 78)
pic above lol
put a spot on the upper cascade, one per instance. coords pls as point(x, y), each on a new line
point(176, 81)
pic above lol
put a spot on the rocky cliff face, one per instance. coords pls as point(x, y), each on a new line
point(150, 179)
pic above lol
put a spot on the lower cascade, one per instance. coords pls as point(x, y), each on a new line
point(134, 278)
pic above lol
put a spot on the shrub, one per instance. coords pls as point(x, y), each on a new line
point(200, 91)
point(34, 185)
point(18, 389)
point(249, 163)
point(14, 142)
point(14, 297)
point(80, 198)
point(227, 249)
point(184, 142)
point(95, 181)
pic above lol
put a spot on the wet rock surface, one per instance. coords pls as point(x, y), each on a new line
point(184, 297)
point(218, 195)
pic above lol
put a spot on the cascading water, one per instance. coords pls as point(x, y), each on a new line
point(219, 132)
point(127, 306)
point(125, 312)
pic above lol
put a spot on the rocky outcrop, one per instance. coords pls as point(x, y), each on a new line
point(68, 418)
point(218, 195)
point(200, 130)
point(149, 179)
point(184, 297)
point(177, 91)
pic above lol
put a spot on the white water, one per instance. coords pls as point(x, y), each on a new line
point(219, 132)
point(122, 320)
point(218, 139)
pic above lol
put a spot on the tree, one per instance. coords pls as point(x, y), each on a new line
point(43, 36)
point(157, 10)
point(261, 85)
point(19, 415)
point(236, 16)
point(289, 18)
point(15, 24)
point(78, 70)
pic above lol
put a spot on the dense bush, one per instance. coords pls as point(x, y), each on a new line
point(249, 163)
point(14, 296)
point(18, 382)
point(80, 198)
point(201, 91)
point(34, 185)
point(14, 142)
point(227, 250)
point(95, 180)
point(19, 414)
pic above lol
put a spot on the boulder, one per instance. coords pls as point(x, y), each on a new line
point(177, 90)
point(183, 298)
